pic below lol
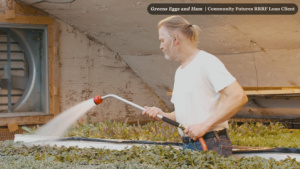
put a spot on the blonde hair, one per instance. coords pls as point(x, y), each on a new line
point(174, 23)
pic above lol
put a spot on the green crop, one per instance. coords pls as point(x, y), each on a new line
point(253, 134)
point(136, 157)
point(17, 155)
point(152, 131)
point(259, 135)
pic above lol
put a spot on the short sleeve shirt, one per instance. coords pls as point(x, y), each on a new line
point(196, 92)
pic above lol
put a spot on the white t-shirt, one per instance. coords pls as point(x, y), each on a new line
point(196, 89)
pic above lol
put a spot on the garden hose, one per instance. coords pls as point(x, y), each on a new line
point(99, 99)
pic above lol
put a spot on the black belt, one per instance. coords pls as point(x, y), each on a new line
point(208, 135)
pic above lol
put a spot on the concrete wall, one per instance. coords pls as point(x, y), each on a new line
point(88, 68)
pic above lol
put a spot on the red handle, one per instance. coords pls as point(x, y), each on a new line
point(203, 144)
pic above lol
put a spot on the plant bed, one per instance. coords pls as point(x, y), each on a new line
point(135, 157)
point(161, 156)
point(253, 134)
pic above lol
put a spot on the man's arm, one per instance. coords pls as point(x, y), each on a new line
point(232, 100)
point(153, 111)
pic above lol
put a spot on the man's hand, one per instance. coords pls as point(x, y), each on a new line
point(234, 98)
point(152, 112)
point(196, 131)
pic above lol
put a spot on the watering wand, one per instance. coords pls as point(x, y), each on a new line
point(99, 99)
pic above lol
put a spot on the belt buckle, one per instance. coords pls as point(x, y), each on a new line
point(186, 140)
point(221, 132)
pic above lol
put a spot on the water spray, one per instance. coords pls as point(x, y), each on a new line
point(99, 99)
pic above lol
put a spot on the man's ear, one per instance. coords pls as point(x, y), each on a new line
point(176, 38)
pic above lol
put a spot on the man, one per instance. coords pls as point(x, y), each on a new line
point(205, 94)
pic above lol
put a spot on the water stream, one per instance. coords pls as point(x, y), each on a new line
point(60, 124)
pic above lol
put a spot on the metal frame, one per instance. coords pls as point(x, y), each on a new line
point(45, 87)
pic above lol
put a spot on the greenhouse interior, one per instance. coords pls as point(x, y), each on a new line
point(114, 84)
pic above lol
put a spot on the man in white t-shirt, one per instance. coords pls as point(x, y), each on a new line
point(205, 94)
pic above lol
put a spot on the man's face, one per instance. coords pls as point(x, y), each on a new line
point(166, 43)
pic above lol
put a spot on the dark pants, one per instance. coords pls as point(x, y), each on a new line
point(219, 143)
